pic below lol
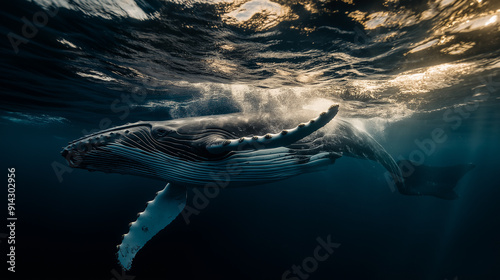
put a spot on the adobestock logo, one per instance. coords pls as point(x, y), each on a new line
point(321, 253)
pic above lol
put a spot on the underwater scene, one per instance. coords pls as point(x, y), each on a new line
point(250, 139)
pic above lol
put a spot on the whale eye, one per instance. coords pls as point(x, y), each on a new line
point(161, 131)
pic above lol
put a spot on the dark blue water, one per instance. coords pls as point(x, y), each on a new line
point(399, 69)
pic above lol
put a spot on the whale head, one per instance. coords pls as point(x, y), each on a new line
point(138, 147)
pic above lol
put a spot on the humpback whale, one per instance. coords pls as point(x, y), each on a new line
point(247, 149)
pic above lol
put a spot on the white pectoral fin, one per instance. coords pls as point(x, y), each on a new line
point(269, 141)
point(160, 212)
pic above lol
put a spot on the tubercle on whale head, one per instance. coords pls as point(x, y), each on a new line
point(110, 150)
point(76, 151)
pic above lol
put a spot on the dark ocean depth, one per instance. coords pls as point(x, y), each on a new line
point(399, 70)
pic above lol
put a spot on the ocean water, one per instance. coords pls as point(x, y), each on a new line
point(399, 70)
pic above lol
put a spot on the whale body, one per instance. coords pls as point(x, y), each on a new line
point(232, 151)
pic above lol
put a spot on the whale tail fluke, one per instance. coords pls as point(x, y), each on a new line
point(439, 182)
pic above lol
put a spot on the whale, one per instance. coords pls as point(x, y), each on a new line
point(238, 150)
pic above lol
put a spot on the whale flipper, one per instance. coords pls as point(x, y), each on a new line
point(268, 141)
point(160, 212)
point(430, 180)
